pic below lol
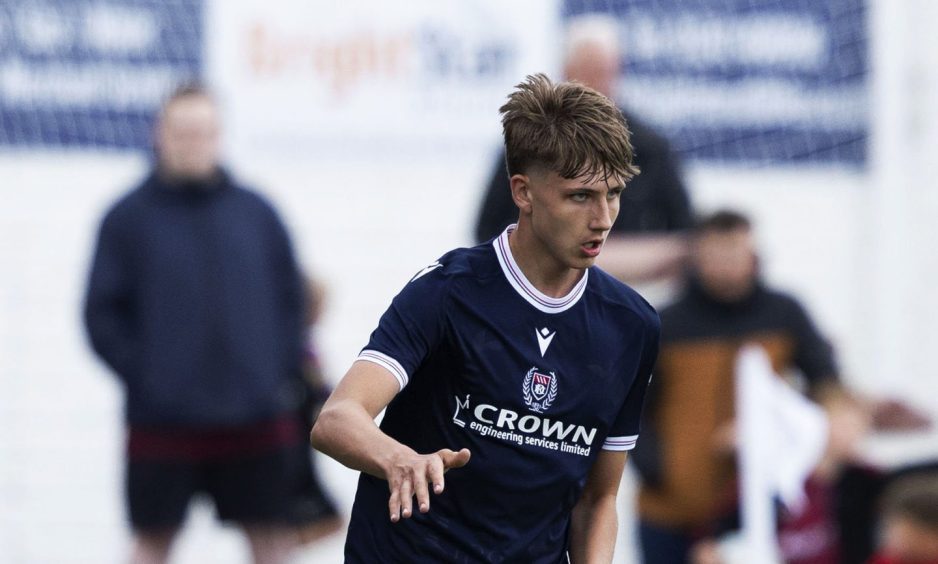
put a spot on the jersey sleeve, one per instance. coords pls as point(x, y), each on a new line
point(623, 434)
point(412, 326)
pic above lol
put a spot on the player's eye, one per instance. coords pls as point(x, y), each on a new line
point(579, 197)
point(613, 194)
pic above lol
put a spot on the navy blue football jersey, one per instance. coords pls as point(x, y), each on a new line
point(533, 386)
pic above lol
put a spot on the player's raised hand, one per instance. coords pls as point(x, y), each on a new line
point(413, 474)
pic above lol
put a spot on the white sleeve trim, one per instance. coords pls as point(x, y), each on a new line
point(620, 443)
point(387, 362)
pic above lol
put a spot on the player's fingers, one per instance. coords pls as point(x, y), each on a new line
point(454, 459)
point(436, 472)
point(394, 502)
point(407, 497)
point(420, 490)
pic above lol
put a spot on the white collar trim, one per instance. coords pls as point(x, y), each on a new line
point(524, 287)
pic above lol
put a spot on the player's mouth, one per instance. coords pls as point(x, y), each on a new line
point(592, 248)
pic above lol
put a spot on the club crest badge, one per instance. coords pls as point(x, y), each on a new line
point(539, 389)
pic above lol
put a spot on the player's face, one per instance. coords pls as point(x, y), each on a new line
point(726, 263)
point(188, 138)
point(571, 217)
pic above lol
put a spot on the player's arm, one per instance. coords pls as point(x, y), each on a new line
point(594, 523)
point(347, 432)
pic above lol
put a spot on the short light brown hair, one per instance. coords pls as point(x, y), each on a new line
point(566, 128)
point(914, 497)
point(188, 89)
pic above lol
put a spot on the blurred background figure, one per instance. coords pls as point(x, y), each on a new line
point(317, 385)
point(320, 507)
point(909, 521)
point(689, 491)
point(655, 210)
point(196, 303)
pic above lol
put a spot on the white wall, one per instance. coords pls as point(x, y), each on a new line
point(60, 438)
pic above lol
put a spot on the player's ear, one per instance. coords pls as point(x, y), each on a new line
point(521, 192)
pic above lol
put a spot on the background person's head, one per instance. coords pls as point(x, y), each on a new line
point(723, 256)
point(591, 53)
point(187, 135)
point(909, 528)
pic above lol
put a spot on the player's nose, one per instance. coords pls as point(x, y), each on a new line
point(602, 216)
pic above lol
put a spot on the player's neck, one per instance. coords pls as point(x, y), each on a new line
point(543, 271)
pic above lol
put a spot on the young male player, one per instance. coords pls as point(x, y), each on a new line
point(517, 351)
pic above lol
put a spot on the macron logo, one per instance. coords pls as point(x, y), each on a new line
point(427, 270)
point(544, 337)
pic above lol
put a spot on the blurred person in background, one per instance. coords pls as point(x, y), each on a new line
point(689, 491)
point(909, 521)
point(318, 503)
point(318, 388)
point(515, 364)
point(195, 302)
point(861, 490)
point(647, 243)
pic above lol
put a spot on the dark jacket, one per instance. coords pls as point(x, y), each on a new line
point(686, 482)
point(653, 201)
point(196, 302)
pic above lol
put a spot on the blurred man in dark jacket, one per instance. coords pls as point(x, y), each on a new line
point(690, 493)
point(647, 242)
point(195, 301)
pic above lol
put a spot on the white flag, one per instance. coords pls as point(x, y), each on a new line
point(782, 436)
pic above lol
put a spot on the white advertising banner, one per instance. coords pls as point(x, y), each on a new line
point(300, 75)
